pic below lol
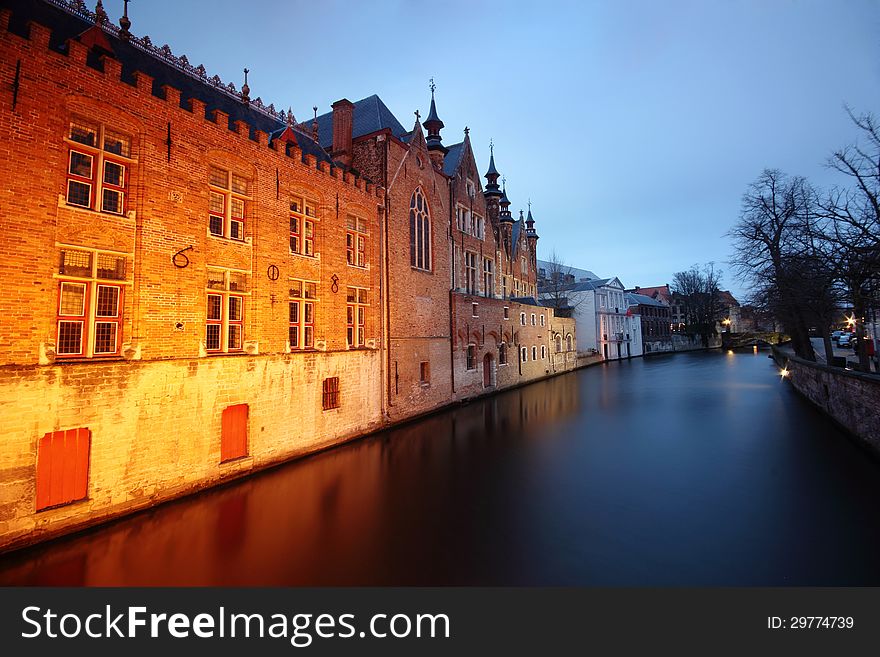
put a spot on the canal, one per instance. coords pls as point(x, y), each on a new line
point(693, 469)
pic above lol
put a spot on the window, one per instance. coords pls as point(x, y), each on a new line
point(568, 342)
point(522, 319)
point(424, 372)
point(522, 265)
point(330, 393)
point(558, 344)
point(224, 325)
point(90, 304)
point(506, 312)
point(542, 320)
point(502, 354)
point(478, 227)
point(233, 432)
point(523, 354)
point(475, 307)
point(356, 241)
point(488, 277)
point(226, 210)
point(470, 270)
point(98, 164)
point(543, 352)
point(62, 467)
point(301, 314)
point(356, 314)
point(533, 319)
point(419, 231)
point(302, 227)
point(504, 287)
point(534, 353)
point(471, 362)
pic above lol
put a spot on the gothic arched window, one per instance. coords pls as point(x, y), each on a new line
point(419, 231)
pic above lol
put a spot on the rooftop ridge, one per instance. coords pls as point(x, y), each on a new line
point(78, 8)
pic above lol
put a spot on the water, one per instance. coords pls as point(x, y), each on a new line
point(693, 469)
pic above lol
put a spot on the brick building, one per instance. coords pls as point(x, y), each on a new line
point(202, 286)
point(656, 321)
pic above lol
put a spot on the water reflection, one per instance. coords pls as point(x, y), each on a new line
point(688, 469)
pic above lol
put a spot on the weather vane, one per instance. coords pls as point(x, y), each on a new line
point(433, 86)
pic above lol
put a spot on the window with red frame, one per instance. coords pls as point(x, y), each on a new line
point(90, 303)
point(226, 206)
point(224, 322)
point(98, 164)
point(302, 227)
point(301, 331)
point(356, 241)
point(356, 316)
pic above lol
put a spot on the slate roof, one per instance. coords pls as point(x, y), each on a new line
point(579, 274)
point(65, 26)
point(453, 158)
point(370, 115)
point(518, 226)
point(528, 301)
point(634, 299)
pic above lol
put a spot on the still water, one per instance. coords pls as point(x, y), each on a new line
point(692, 469)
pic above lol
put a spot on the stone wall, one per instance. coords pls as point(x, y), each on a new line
point(852, 399)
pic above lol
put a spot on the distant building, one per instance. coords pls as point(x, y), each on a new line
point(656, 321)
point(731, 311)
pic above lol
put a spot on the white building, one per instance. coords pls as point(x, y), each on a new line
point(604, 325)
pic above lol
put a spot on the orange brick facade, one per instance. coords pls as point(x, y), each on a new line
point(169, 256)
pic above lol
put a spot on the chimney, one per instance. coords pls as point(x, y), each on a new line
point(343, 117)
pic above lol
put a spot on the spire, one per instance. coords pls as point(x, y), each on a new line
point(315, 125)
point(530, 223)
point(433, 125)
point(492, 174)
point(504, 202)
point(245, 90)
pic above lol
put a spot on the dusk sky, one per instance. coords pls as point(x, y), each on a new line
point(633, 127)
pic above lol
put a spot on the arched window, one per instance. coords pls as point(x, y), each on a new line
point(558, 343)
point(568, 342)
point(419, 231)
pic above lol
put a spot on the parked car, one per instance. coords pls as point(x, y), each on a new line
point(845, 340)
point(835, 335)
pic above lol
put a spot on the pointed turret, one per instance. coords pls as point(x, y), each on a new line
point(504, 202)
point(492, 174)
point(433, 125)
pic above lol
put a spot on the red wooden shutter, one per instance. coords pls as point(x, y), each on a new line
point(233, 435)
point(62, 467)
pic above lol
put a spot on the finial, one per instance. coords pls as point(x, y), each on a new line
point(315, 124)
point(491, 147)
point(289, 117)
point(504, 182)
point(100, 14)
point(245, 89)
point(418, 115)
point(124, 23)
point(433, 86)
point(520, 215)
point(530, 204)
point(467, 131)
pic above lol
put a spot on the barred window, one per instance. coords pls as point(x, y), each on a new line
point(330, 393)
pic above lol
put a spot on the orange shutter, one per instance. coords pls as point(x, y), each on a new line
point(233, 435)
point(62, 467)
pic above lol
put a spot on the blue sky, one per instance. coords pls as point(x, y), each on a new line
point(633, 127)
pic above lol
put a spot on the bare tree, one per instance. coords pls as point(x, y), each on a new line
point(854, 231)
point(698, 290)
point(558, 281)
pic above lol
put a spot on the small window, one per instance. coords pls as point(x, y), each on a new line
point(475, 308)
point(506, 312)
point(424, 372)
point(523, 354)
point(502, 354)
point(543, 352)
point(330, 394)
point(534, 353)
point(472, 357)
point(522, 319)
point(542, 320)
point(533, 319)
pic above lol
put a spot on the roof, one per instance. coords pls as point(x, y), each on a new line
point(432, 114)
point(518, 226)
point(164, 67)
point(370, 115)
point(579, 274)
point(634, 299)
point(453, 158)
point(529, 301)
point(727, 298)
point(659, 291)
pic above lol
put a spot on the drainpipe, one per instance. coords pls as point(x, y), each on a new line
point(386, 329)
